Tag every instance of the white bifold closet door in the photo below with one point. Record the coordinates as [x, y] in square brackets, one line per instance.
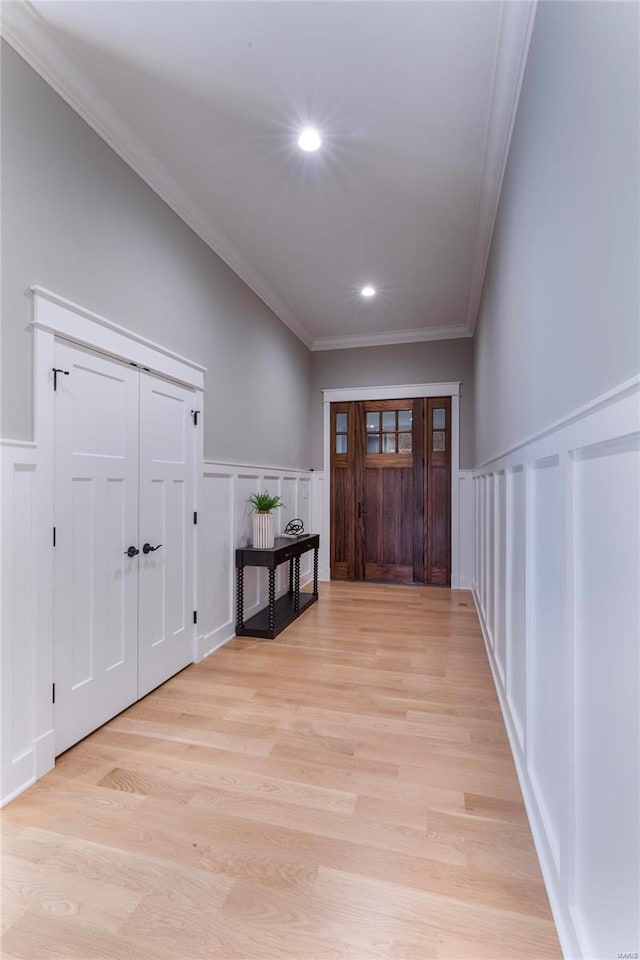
[123, 479]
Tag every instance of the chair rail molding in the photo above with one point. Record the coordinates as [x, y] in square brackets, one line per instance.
[403, 391]
[556, 573]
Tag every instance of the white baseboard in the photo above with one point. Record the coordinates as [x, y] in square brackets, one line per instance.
[45, 753]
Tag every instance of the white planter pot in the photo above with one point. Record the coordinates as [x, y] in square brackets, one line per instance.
[263, 531]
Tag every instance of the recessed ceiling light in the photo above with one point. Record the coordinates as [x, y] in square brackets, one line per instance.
[309, 140]
[368, 291]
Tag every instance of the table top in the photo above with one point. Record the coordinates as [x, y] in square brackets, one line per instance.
[284, 548]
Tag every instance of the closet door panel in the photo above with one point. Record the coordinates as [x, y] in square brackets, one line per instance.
[96, 520]
[166, 523]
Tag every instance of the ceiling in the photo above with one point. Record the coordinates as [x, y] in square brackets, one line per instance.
[415, 104]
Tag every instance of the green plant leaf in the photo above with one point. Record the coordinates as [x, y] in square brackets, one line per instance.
[264, 502]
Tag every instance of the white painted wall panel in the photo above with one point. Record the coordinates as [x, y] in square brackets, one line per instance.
[466, 493]
[607, 866]
[289, 487]
[216, 566]
[547, 647]
[304, 514]
[499, 631]
[18, 606]
[482, 547]
[245, 485]
[22, 561]
[516, 636]
[489, 559]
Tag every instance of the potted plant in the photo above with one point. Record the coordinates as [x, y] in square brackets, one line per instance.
[263, 504]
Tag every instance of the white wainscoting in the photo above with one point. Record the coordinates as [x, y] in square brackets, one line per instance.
[25, 622]
[556, 584]
[224, 523]
[464, 580]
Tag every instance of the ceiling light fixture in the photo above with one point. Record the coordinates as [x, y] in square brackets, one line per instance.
[309, 140]
[368, 291]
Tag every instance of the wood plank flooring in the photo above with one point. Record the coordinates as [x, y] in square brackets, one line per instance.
[343, 792]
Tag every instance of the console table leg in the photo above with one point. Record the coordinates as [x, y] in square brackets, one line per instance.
[240, 598]
[290, 577]
[315, 572]
[272, 600]
[296, 588]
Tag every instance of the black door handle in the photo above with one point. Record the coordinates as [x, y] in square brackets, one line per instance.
[149, 549]
[131, 552]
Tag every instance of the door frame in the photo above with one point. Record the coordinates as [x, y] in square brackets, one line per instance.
[56, 317]
[406, 391]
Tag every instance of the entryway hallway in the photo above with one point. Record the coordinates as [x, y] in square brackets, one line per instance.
[344, 791]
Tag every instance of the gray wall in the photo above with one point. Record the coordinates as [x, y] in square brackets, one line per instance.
[559, 318]
[77, 220]
[431, 362]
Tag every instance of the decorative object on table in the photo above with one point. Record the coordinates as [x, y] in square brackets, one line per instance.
[263, 504]
[295, 528]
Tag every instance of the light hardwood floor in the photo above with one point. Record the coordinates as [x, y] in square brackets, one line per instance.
[344, 791]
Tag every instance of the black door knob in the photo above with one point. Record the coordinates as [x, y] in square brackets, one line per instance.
[149, 549]
[131, 552]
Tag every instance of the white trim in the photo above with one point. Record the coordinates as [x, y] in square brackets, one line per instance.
[402, 391]
[604, 400]
[29, 34]
[407, 391]
[512, 50]
[390, 336]
[62, 317]
[263, 468]
[18, 790]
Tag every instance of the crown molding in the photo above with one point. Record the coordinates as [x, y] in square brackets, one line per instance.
[390, 337]
[26, 31]
[29, 35]
[512, 49]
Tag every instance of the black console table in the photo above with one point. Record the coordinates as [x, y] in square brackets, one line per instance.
[278, 613]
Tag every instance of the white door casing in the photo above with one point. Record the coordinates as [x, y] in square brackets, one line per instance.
[166, 522]
[96, 519]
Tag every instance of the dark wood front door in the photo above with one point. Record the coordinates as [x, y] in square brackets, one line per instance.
[390, 491]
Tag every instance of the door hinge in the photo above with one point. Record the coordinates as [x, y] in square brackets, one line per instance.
[195, 516]
[56, 371]
[195, 616]
[54, 536]
[194, 414]
[53, 693]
